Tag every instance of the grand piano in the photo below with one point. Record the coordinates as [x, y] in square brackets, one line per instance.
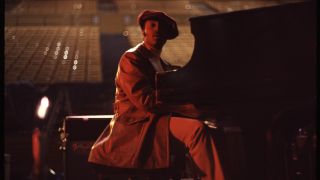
[253, 67]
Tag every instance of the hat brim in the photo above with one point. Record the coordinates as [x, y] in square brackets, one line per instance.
[171, 30]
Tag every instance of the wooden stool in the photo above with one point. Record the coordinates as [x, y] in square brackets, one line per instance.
[176, 172]
[181, 166]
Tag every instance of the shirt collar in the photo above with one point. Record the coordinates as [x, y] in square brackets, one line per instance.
[152, 53]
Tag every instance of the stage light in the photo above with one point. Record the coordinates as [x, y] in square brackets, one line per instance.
[52, 171]
[43, 107]
[211, 124]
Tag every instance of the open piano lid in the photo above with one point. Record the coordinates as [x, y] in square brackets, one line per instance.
[260, 53]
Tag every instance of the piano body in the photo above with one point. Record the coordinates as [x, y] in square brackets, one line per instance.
[248, 67]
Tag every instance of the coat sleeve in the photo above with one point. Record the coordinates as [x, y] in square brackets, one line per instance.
[134, 81]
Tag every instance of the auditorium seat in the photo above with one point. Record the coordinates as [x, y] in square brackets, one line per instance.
[53, 54]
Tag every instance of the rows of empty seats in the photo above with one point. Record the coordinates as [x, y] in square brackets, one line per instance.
[177, 51]
[236, 5]
[45, 54]
[69, 12]
[177, 7]
[36, 53]
[56, 7]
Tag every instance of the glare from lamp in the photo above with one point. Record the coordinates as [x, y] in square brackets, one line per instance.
[43, 107]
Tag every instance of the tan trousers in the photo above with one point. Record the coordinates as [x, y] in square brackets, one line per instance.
[193, 134]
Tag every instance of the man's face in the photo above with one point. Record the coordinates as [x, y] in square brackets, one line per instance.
[154, 34]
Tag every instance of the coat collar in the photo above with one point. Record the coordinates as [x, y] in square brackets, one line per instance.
[145, 53]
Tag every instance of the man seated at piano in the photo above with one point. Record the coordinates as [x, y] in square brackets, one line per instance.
[144, 131]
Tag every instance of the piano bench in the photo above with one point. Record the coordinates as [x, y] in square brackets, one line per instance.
[114, 173]
[181, 166]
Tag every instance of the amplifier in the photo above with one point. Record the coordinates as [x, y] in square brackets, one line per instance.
[78, 135]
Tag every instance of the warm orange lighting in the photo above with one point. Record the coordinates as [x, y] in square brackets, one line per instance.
[91, 116]
[125, 33]
[36, 151]
[74, 67]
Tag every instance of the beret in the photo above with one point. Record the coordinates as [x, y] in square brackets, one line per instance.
[171, 25]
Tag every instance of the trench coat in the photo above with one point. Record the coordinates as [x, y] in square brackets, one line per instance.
[138, 135]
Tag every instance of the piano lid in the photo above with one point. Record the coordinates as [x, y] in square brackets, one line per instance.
[268, 51]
